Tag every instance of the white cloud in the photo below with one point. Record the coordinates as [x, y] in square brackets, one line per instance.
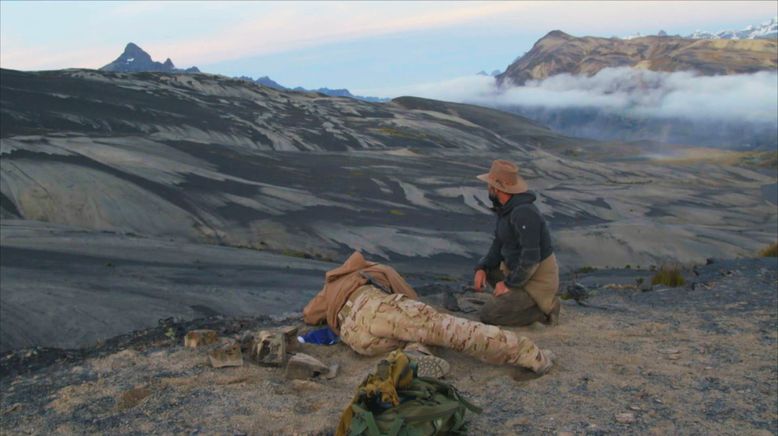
[743, 97]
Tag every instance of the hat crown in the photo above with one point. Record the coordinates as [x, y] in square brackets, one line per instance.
[504, 174]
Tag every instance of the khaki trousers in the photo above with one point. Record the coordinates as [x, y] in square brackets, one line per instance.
[375, 323]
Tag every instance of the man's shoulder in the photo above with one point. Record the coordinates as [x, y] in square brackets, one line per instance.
[527, 210]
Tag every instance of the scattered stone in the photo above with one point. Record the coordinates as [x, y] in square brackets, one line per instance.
[227, 353]
[537, 326]
[626, 418]
[270, 348]
[306, 385]
[635, 408]
[200, 338]
[304, 366]
[132, 397]
[669, 351]
[246, 341]
[14, 408]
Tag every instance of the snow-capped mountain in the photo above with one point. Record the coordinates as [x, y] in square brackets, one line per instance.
[766, 30]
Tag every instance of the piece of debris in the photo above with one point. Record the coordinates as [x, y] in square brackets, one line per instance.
[306, 385]
[304, 366]
[269, 348]
[626, 418]
[227, 353]
[199, 338]
[13, 408]
[132, 397]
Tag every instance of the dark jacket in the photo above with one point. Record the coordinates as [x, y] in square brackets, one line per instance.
[521, 240]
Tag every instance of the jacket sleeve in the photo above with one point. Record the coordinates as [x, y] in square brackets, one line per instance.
[493, 257]
[528, 227]
[316, 310]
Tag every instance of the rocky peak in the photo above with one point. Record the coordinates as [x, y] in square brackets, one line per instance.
[134, 59]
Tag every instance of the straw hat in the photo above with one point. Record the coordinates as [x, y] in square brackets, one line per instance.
[505, 176]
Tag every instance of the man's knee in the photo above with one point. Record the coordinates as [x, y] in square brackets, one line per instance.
[505, 312]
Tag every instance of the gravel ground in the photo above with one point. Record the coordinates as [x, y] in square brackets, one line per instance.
[695, 360]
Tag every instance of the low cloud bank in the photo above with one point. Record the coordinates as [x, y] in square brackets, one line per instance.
[639, 93]
[625, 103]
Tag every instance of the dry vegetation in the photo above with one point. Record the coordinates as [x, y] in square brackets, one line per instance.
[668, 275]
[770, 251]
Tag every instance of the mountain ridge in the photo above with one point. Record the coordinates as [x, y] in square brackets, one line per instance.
[558, 52]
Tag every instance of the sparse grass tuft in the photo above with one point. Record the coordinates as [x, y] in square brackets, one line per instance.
[770, 251]
[396, 212]
[586, 269]
[669, 275]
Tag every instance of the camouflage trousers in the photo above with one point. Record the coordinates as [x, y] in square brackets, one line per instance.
[375, 322]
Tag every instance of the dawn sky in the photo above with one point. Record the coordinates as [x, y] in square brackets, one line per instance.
[369, 47]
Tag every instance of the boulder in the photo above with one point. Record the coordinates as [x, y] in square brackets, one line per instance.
[303, 366]
[269, 348]
[200, 338]
[226, 353]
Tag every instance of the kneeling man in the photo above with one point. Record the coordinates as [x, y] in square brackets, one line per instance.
[520, 265]
[375, 311]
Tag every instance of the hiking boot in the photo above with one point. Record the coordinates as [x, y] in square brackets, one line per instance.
[553, 316]
[549, 355]
[427, 365]
[524, 374]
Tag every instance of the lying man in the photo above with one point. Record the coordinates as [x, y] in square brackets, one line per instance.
[520, 265]
[375, 311]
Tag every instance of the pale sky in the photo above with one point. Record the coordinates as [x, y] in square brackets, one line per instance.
[364, 46]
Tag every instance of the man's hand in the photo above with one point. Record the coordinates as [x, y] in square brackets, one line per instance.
[479, 281]
[500, 289]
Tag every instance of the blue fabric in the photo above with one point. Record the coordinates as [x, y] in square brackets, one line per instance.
[322, 336]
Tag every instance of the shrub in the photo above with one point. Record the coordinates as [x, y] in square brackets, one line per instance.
[770, 251]
[586, 269]
[668, 275]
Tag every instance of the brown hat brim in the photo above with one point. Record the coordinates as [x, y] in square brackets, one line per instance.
[521, 185]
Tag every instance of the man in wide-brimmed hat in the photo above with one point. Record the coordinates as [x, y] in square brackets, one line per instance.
[520, 264]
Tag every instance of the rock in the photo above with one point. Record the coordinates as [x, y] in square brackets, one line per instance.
[14, 408]
[306, 385]
[290, 337]
[626, 418]
[304, 366]
[200, 338]
[227, 353]
[269, 348]
[246, 341]
[132, 397]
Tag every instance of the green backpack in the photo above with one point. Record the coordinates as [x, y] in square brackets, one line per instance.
[427, 406]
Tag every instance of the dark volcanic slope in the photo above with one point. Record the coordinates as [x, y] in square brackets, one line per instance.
[558, 53]
[210, 109]
[203, 158]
